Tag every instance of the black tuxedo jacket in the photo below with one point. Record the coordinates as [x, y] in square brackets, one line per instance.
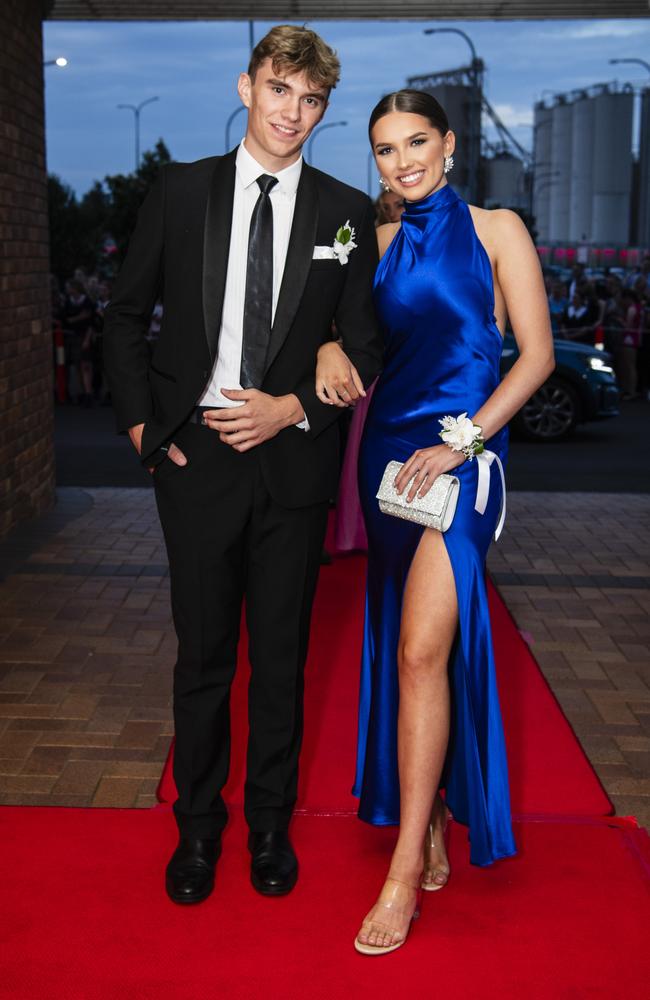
[179, 252]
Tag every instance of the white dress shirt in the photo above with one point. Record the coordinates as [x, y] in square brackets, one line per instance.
[227, 367]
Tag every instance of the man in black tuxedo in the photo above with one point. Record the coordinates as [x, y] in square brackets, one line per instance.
[254, 254]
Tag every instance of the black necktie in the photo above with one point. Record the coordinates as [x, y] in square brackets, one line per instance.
[258, 300]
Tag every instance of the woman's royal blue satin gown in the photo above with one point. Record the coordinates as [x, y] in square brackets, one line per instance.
[434, 296]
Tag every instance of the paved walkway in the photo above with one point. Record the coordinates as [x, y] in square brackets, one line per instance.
[87, 646]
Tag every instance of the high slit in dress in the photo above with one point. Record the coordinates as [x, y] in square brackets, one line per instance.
[434, 296]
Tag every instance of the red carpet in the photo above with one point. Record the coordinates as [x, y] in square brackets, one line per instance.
[549, 772]
[86, 917]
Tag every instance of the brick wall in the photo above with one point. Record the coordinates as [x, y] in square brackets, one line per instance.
[26, 410]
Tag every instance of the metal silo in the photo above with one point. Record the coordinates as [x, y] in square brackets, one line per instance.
[504, 182]
[582, 172]
[560, 181]
[612, 170]
[542, 169]
[643, 225]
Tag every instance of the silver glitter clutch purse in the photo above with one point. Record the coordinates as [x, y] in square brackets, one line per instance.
[435, 510]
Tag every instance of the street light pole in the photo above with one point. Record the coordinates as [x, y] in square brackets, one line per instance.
[237, 111]
[639, 62]
[136, 109]
[370, 165]
[646, 66]
[546, 184]
[474, 151]
[231, 119]
[454, 31]
[539, 182]
[59, 61]
[310, 141]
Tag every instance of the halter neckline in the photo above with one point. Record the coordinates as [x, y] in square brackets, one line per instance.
[437, 200]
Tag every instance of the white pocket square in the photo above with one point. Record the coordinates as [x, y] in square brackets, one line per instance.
[323, 253]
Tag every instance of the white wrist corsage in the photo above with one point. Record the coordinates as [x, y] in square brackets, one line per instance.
[460, 434]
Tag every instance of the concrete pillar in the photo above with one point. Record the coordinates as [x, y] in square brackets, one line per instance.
[26, 408]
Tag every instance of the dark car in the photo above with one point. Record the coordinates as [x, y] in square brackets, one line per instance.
[582, 387]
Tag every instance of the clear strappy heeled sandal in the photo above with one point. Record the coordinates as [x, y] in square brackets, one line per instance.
[435, 876]
[391, 905]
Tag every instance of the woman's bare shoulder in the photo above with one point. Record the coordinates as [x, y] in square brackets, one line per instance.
[497, 227]
[497, 221]
[385, 235]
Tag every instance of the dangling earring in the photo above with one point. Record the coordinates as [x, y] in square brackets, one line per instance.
[449, 163]
[383, 183]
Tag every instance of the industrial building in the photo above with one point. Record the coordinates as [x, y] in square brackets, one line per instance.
[583, 167]
[641, 231]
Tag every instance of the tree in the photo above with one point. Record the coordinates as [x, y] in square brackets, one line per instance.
[94, 211]
[127, 191]
[80, 230]
[66, 237]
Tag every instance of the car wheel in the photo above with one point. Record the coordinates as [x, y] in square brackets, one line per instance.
[551, 413]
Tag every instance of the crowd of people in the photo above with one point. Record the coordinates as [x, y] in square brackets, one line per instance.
[78, 307]
[610, 308]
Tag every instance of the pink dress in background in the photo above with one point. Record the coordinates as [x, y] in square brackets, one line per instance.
[350, 532]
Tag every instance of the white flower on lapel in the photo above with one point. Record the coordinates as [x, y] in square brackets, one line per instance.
[344, 242]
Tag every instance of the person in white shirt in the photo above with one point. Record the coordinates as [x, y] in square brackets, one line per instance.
[255, 255]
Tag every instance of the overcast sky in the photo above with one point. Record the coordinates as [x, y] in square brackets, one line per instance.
[193, 67]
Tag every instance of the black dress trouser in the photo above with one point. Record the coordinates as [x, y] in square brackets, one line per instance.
[228, 539]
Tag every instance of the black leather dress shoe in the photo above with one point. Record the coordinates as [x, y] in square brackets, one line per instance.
[190, 872]
[274, 866]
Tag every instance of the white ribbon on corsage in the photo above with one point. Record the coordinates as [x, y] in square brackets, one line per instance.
[484, 461]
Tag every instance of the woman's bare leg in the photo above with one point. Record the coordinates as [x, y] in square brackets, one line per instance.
[428, 627]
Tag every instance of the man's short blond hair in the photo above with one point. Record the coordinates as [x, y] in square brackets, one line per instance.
[294, 49]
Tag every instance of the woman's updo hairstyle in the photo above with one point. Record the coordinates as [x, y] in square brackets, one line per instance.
[412, 102]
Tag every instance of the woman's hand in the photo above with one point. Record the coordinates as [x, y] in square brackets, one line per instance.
[426, 464]
[337, 380]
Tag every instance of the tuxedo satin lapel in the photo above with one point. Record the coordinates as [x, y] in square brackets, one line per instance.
[216, 244]
[298, 262]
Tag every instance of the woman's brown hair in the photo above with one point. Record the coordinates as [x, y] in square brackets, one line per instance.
[414, 102]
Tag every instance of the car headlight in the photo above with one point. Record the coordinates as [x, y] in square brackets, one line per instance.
[599, 364]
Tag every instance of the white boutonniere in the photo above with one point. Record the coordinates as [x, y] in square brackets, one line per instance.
[344, 242]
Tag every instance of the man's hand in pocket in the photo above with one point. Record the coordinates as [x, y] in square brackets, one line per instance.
[174, 453]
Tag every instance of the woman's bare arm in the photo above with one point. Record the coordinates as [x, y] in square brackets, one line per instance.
[519, 287]
[520, 281]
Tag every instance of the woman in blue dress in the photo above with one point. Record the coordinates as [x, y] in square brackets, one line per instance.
[429, 715]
